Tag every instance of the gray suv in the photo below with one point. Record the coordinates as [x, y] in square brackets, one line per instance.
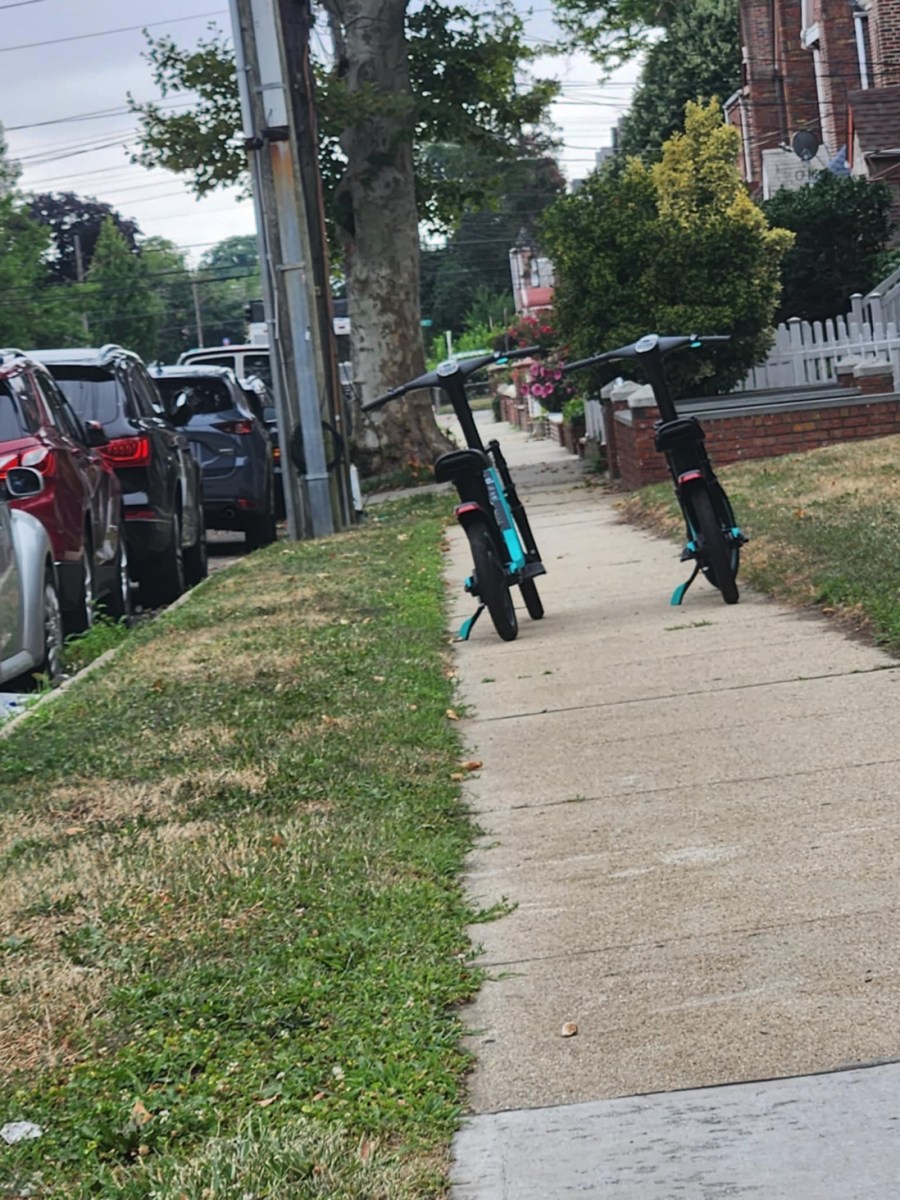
[223, 423]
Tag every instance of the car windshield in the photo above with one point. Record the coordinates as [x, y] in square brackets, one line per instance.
[18, 415]
[93, 393]
[204, 396]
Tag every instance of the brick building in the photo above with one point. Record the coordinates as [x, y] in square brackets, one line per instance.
[828, 71]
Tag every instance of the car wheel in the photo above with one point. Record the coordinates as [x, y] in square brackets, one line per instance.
[51, 664]
[118, 601]
[81, 618]
[196, 557]
[165, 581]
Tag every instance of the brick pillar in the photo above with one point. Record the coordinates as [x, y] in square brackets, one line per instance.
[884, 42]
[874, 377]
[844, 369]
[840, 69]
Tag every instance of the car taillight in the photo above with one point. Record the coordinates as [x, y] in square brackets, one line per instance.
[127, 451]
[41, 458]
[276, 453]
[242, 427]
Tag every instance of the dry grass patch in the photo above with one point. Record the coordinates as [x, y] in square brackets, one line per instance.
[51, 999]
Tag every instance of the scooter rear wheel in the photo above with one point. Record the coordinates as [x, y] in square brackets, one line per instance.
[719, 561]
[491, 583]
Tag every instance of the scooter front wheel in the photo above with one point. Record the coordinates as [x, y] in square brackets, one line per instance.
[491, 582]
[533, 602]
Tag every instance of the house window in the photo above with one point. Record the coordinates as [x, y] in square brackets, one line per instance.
[809, 23]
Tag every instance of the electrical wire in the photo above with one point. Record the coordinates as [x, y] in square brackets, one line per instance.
[81, 37]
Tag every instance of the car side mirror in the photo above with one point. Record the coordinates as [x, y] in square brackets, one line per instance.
[23, 481]
[95, 434]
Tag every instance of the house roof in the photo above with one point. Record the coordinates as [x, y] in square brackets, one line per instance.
[876, 120]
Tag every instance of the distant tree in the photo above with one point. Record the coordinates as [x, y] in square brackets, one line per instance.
[841, 226]
[33, 313]
[402, 77]
[698, 57]
[474, 259]
[168, 276]
[123, 306]
[227, 278]
[615, 31]
[674, 248]
[75, 223]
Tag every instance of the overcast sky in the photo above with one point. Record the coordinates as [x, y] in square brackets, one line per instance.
[63, 104]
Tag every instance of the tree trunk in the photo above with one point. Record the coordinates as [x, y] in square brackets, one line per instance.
[379, 232]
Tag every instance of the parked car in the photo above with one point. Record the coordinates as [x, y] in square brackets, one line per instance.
[161, 483]
[223, 423]
[263, 404]
[245, 360]
[31, 632]
[80, 504]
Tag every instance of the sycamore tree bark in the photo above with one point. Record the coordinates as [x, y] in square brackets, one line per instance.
[378, 228]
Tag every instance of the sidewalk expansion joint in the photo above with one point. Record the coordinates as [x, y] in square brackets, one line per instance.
[490, 966]
[724, 691]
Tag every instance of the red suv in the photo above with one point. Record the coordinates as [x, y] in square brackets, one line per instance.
[80, 505]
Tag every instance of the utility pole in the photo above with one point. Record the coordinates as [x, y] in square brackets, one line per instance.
[198, 320]
[79, 275]
[295, 22]
[286, 276]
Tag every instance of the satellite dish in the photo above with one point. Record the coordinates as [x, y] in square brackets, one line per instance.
[805, 145]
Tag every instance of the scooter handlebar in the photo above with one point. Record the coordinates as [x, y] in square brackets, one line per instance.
[447, 369]
[646, 345]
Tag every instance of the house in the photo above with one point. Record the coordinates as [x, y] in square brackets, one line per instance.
[532, 280]
[820, 87]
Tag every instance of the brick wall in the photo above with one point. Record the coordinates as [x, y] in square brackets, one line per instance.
[789, 427]
[779, 82]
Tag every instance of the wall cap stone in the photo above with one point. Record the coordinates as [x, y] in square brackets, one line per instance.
[873, 366]
[642, 397]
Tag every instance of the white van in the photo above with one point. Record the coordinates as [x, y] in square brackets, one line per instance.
[245, 360]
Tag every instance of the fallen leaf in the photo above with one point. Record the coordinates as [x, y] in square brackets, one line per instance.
[365, 1151]
[452, 714]
[569, 1029]
[319, 1096]
[472, 764]
[139, 1114]
[266, 1102]
[457, 776]
[278, 840]
[74, 830]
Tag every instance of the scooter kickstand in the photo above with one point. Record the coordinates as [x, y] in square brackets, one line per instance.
[680, 592]
[467, 625]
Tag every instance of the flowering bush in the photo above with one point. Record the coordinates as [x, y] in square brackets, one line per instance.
[544, 380]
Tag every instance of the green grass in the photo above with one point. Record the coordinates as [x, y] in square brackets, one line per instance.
[233, 937]
[81, 649]
[824, 529]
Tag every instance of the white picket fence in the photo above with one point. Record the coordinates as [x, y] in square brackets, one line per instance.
[807, 352]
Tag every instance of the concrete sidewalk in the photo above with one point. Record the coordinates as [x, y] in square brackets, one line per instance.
[692, 816]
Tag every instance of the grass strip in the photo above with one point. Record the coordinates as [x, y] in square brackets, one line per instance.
[824, 529]
[232, 930]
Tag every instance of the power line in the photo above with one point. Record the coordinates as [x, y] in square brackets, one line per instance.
[102, 114]
[80, 37]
